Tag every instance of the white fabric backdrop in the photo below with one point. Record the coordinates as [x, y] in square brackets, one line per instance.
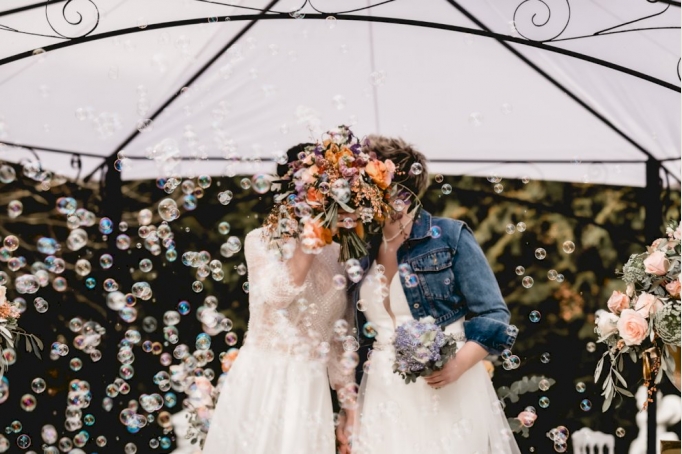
[454, 95]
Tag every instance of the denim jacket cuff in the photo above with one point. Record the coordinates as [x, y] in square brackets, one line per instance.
[493, 335]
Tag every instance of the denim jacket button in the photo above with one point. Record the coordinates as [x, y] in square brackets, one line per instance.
[416, 305]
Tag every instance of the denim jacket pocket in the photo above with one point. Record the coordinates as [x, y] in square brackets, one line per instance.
[435, 274]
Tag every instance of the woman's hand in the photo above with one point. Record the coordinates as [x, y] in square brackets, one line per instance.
[465, 358]
[345, 221]
[448, 374]
[344, 431]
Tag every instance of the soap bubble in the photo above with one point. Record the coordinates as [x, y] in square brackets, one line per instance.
[569, 247]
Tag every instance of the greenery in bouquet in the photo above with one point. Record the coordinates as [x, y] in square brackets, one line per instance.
[421, 348]
[330, 180]
[644, 319]
[10, 332]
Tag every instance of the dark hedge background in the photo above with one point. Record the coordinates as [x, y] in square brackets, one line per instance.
[604, 222]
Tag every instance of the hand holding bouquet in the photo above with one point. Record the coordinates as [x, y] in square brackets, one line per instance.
[645, 318]
[421, 348]
[334, 182]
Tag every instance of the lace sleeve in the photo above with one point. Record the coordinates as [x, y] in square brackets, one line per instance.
[269, 277]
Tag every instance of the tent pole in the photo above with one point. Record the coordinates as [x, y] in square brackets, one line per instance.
[112, 194]
[653, 209]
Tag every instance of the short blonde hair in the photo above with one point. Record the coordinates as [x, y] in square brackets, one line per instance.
[404, 156]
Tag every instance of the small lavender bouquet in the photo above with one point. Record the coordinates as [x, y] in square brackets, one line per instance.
[421, 348]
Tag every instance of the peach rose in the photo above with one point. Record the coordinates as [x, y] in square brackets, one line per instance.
[606, 324]
[379, 173]
[632, 327]
[618, 302]
[657, 263]
[645, 303]
[673, 288]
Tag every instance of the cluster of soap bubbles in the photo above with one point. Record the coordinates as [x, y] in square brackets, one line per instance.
[495, 180]
[509, 360]
[204, 266]
[559, 435]
[88, 337]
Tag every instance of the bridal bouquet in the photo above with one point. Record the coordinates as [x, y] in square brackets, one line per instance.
[10, 331]
[643, 322]
[200, 403]
[330, 179]
[421, 348]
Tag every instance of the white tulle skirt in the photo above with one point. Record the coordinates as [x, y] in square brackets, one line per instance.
[272, 403]
[464, 417]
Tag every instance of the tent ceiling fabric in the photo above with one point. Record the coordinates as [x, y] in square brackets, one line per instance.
[457, 96]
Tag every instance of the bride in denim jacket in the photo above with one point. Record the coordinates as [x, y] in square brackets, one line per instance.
[423, 266]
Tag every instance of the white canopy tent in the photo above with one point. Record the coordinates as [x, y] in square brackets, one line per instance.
[555, 90]
[565, 90]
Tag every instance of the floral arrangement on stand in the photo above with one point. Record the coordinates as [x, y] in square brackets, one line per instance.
[644, 322]
[330, 179]
[10, 332]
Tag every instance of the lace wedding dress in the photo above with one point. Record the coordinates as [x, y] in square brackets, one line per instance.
[276, 397]
[464, 417]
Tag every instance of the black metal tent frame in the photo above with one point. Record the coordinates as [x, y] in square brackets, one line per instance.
[112, 179]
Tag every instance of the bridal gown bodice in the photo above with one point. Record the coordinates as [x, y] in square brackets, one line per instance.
[385, 314]
[290, 319]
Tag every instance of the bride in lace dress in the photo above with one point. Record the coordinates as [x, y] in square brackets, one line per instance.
[276, 397]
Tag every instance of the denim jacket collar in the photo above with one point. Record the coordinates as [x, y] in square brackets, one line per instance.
[422, 225]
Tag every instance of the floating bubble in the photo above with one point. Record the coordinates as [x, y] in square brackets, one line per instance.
[146, 265]
[28, 402]
[41, 305]
[540, 253]
[144, 217]
[534, 316]
[544, 358]
[543, 384]
[569, 247]
[106, 261]
[435, 232]
[620, 432]
[203, 341]
[591, 347]
[560, 278]
[585, 405]
[552, 275]
[521, 226]
[510, 228]
[543, 402]
[224, 228]
[168, 210]
[106, 226]
[498, 188]
[11, 242]
[446, 189]
[66, 205]
[23, 441]
[416, 168]
[527, 282]
[231, 339]
[38, 385]
[7, 174]
[14, 209]
[520, 270]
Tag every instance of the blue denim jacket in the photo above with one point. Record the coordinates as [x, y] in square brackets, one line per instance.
[445, 275]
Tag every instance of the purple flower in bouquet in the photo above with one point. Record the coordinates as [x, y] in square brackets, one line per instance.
[421, 348]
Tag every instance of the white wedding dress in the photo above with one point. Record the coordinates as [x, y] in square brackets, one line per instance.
[464, 417]
[276, 397]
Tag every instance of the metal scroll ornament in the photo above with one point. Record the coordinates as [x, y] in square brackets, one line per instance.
[73, 18]
[542, 20]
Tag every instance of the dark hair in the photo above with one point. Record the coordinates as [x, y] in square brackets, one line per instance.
[292, 155]
[404, 156]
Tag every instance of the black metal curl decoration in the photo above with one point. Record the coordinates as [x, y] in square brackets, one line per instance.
[533, 14]
[66, 10]
[679, 62]
[299, 9]
[77, 163]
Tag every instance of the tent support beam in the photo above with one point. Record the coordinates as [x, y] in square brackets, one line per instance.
[354, 18]
[191, 80]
